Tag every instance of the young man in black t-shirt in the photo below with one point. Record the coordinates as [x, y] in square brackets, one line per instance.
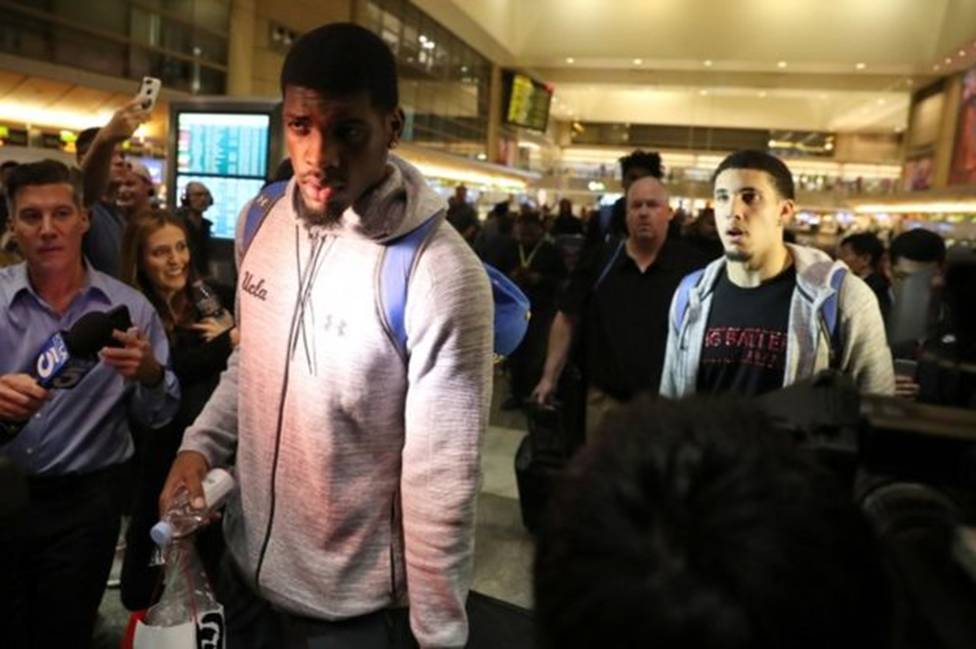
[760, 318]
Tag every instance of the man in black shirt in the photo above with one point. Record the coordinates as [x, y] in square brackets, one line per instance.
[862, 252]
[195, 201]
[769, 313]
[565, 222]
[619, 296]
[462, 215]
[539, 273]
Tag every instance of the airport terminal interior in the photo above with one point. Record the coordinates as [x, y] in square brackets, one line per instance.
[526, 110]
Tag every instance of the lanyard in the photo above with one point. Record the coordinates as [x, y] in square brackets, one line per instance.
[527, 261]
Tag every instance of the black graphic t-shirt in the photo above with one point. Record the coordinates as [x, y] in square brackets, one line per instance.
[744, 350]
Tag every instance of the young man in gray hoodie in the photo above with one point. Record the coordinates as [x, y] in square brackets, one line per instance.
[757, 319]
[357, 460]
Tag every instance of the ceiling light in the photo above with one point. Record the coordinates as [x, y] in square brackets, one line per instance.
[781, 64]
[948, 60]
[638, 61]
[933, 207]
[935, 67]
[570, 60]
[703, 93]
[962, 52]
[762, 93]
[708, 63]
[823, 95]
[861, 66]
[882, 102]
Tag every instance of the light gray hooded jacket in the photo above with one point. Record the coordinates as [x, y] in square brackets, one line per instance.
[864, 352]
[358, 468]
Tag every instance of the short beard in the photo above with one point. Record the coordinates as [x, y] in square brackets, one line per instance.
[738, 256]
[329, 217]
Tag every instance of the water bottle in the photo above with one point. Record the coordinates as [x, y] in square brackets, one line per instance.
[181, 519]
[206, 300]
[187, 596]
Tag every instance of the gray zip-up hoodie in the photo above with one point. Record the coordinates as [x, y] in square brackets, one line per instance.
[864, 353]
[358, 469]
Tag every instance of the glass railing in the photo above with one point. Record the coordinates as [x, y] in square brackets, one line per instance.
[186, 58]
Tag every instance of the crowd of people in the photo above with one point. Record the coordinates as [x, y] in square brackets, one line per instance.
[357, 458]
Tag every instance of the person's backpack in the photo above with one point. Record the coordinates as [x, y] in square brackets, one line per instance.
[511, 305]
[828, 310]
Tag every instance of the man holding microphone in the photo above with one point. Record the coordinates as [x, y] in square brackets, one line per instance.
[72, 444]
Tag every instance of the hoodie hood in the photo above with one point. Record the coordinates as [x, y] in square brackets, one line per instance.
[398, 205]
[814, 269]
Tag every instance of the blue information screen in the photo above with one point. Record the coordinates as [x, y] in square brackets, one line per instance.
[227, 152]
[224, 144]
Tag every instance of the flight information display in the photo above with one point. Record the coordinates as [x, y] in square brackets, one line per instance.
[229, 194]
[528, 103]
[224, 144]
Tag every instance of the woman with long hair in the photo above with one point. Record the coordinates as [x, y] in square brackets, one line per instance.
[156, 261]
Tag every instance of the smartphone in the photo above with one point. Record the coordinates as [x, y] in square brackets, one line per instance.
[149, 92]
[121, 320]
[906, 367]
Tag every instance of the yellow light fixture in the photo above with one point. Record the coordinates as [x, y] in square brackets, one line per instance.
[469, 176]
[34, 115]
[928, 207]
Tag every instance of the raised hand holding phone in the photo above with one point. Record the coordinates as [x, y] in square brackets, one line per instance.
[149, 92]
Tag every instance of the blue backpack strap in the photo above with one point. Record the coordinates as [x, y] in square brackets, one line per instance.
[828, 311]
[398, 261]
[610, 262]
[511, 304]
[511, 312]
[681, 295]
[259, 209]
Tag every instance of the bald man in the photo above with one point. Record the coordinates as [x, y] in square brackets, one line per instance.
[195, 201]
[618, 297]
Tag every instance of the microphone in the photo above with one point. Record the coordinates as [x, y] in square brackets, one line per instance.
[68, 356]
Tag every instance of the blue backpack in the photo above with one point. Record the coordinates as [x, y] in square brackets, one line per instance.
[511, 305]
[828, 310]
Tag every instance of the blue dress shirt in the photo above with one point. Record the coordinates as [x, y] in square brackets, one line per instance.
[85, 428]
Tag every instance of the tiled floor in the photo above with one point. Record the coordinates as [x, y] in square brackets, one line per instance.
[503, 549]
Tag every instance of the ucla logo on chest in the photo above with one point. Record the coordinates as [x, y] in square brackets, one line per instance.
[255, 288]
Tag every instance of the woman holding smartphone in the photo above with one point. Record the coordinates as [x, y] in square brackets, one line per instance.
[156, 260]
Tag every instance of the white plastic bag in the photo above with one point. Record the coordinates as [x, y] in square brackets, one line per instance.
[187, 615]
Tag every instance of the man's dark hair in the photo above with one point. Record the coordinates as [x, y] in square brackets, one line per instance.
[84, 141]
[918, 245]
[761, 161]
[7, 164]
[45, 172]
[693, 524]
[649, 160]
[865, 243]
[343, 59]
